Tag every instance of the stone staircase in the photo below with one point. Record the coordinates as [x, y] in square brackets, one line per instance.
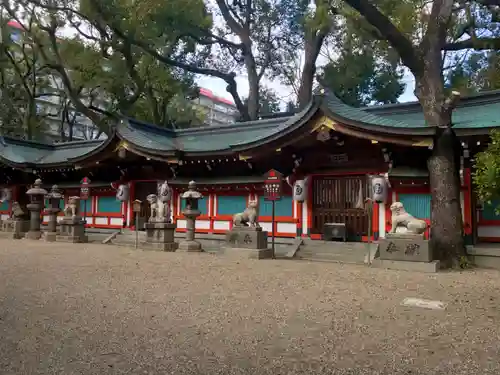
[337, 252]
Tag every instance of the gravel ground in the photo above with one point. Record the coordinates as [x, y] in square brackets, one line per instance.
[96, 309]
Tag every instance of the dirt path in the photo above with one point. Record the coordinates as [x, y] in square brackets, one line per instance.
[94, 309]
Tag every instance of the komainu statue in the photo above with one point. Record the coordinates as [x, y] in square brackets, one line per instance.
[405, 221]
[164, 192]
[247, 217]
[17, 211]
[160, 211]
[71, 208]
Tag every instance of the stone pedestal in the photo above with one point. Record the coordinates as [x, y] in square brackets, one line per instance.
[72, 230]
[405, 247]
[51, 233]
[247, 242]
[189, 243]
[15, 229]
[160, 236]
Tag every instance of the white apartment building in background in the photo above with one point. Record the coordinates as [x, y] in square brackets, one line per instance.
[219, 111]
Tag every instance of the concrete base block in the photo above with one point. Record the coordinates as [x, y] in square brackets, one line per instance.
[243, 253]
[33, 235]
[72, 239]
[406, 248]
[50, 236]
[428, 267]
[246, 237]
[172, 246]
[190, 246]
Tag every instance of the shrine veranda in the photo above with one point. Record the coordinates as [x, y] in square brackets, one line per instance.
[333, 146]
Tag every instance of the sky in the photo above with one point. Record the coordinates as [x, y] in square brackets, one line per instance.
[218, 87]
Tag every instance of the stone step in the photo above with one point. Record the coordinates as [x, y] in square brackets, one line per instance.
[334, 258]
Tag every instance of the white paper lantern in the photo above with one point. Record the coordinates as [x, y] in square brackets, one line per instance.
[379, 189]
[122, 193]
[299, 190]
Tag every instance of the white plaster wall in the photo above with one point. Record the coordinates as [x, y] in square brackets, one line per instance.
[4, 216]
[267, 226]
[202, 224]
[221, 225]
[381, 220]
[116, 221]
[305, 218]
[181, 223]
[488, 231]
[99, 220]
[287, 228]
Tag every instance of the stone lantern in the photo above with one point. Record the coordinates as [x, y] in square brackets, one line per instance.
[191, 212]
[54, 197]
[37, 196]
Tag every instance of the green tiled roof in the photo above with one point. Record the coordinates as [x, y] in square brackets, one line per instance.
[473, 112]
[26, 152]
[479, 112]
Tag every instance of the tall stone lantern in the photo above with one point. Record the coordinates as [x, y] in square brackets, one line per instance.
[37, 196]
[54, 197]
[191, 212]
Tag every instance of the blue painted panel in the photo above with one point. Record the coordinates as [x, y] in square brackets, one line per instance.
[202, 205]
[4, 206]
[418, 205]
[229, 205]
[82, 205]
[284, 207]
[489, 210]
[109, 204]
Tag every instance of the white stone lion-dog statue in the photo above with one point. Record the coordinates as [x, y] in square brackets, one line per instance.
[71, 208]
[247, 217]
[404, 222]
[160, 212]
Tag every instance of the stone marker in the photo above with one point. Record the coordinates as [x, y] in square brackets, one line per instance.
[17, 225]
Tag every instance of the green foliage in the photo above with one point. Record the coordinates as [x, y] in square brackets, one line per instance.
[363, 71]
[268, 101]
[487, 170]
[474, 72]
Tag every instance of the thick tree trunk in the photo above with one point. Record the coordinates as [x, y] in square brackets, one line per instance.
[312, 48]
[447, 241]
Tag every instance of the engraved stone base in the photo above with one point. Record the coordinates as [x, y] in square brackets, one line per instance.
[409, 249]
[190, 246]
[243, 253]
[246, 238]
[431, 267]
[50, 236]
[160, 237]
[33, 235]
[72, 230]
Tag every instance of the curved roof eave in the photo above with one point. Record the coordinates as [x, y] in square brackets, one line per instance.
[421, 131]
[291, 125]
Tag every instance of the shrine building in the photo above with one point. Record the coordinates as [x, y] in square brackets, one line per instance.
[333, 146]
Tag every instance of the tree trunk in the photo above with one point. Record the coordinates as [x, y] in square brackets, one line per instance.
[253, 86]
[447, 241]
[313, 44]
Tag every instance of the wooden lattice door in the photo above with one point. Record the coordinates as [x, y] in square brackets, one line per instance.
[337, 200]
